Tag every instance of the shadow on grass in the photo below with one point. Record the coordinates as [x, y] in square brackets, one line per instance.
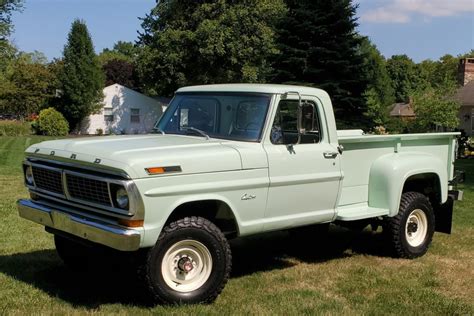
[114, 283]
[276, 250]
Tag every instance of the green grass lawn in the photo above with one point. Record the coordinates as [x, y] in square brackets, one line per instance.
[351, 274]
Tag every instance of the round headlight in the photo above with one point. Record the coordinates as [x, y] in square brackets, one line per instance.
[121, 197]
[29, 175]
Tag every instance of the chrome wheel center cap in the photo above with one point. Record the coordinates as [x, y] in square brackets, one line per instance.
[185, 264]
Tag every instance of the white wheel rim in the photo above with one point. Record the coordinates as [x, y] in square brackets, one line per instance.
[416, 228]
[186, 266]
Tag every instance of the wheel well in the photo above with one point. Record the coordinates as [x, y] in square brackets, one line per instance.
[425, 183]
[216, 211]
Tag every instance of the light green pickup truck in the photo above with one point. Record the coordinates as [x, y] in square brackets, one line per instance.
[227, 161]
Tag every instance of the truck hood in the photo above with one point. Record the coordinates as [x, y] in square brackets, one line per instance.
[133, 154]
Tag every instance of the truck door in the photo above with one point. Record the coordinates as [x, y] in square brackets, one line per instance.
[304, 169]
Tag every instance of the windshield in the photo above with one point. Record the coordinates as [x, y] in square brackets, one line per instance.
[235, 116]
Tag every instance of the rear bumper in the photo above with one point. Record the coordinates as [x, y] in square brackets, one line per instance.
[89, 229]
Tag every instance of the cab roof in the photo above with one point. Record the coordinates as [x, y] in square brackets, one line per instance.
[253, 87]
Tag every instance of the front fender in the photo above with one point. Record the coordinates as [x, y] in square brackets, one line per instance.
[155, 220]
[389, 173]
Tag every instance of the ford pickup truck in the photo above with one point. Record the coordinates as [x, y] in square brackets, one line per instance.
[227, 161]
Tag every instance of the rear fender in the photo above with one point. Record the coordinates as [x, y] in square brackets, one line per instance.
[389, 173]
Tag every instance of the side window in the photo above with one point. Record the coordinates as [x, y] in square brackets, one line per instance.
[135, 116]
[285, 126]
[108, 115]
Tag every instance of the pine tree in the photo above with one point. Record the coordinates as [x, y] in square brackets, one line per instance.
[81, 77]
[319, 47]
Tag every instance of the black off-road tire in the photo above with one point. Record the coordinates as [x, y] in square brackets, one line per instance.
[397, 226]
[197, 229]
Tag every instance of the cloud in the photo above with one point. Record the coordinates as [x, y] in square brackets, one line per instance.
[403, 11]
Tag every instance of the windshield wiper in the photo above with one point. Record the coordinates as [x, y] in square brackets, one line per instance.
[157, 129]
[194, 129]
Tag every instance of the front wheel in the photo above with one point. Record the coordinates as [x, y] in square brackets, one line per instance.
[190, 262]
[412, 229]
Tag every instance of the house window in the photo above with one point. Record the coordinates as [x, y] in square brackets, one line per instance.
[108, 115]
[135, 117]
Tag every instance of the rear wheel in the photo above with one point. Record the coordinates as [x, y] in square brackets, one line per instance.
[411, 230]
[190, 263]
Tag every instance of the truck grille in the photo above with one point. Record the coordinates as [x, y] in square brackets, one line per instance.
[91, 190]
[49, 180]
[72, 185]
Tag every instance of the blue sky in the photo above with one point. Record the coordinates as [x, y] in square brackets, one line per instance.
[421, 29]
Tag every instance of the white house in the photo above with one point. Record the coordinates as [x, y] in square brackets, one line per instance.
[125, 111]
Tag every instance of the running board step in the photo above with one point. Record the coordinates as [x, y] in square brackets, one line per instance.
[353, 213]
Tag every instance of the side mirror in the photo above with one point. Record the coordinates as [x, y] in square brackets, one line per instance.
[307, 123]
[298, 117]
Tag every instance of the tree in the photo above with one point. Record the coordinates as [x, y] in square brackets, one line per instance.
[6, 9]
[438, 73]
[81, 77]
[189, 42]
[402, 71]
[379, 95]
[108, 55]
[127, 49]
[7, 54]
[319, 47]
[119, 64]
[434, 108]
[7, 50]
[121, 72]
[28, 86]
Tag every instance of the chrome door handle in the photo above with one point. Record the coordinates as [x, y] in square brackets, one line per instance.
[330, 155]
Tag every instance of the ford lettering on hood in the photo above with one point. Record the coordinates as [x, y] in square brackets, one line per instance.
[134, 154]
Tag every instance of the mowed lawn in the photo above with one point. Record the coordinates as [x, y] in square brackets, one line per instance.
[348, 273]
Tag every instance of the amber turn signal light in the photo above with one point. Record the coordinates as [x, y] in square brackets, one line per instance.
[161, 170]
[155, 170]
[131, 223]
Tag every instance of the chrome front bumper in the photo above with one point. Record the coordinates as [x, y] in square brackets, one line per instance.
[99, 232]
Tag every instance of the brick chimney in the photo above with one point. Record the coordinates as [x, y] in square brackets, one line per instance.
[466, 71]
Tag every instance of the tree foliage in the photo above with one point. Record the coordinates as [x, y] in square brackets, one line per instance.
[121, 72]
[119, 64]
[81, 77]
[188, 42]
[7, 50]
[319, 47]
[127, 49]
[379, 95]
[403, 73]
[27, 87]
[6, 9]
[434, 108]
